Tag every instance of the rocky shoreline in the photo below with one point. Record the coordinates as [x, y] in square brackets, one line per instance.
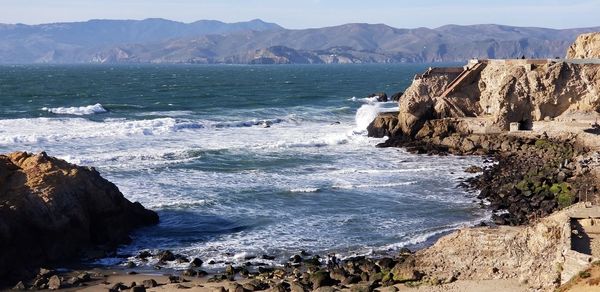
[532, 175]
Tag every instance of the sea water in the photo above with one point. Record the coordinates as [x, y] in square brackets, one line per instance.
[241, 161]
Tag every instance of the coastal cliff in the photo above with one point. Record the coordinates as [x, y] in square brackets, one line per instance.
[502, 93]
[54, 212]
[587, 46]
[537, 120]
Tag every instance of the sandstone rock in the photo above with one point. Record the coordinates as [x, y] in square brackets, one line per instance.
[54, 283]
[503, 93]
[586, 46]
[51, 210]
[533, 252]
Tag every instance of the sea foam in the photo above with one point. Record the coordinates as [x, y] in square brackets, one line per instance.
[77, 110]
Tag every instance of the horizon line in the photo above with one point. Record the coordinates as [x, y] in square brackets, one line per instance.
[269, 22]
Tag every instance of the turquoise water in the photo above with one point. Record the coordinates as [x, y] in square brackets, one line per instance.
[242, 160]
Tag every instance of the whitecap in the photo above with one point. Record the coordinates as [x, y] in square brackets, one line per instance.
[77, 110]
[305, 190]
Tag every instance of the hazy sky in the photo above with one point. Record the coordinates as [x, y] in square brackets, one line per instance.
[315, 13]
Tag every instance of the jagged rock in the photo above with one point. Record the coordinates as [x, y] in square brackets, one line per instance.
[406, 271]
[397, 96]
[381, 96]
[586, 46]
[385, 124]
[50, 210]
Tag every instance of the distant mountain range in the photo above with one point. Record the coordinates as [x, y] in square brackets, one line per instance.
[259, 42]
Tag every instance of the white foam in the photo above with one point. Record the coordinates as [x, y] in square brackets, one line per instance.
[305, 190]
[77, 110]
[367, 113]
[375, 186]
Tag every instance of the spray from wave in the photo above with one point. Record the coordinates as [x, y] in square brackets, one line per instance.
[77, 110]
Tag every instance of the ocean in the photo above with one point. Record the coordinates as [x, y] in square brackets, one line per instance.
[241, 161]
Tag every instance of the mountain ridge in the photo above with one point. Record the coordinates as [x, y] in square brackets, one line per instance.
[158, 40]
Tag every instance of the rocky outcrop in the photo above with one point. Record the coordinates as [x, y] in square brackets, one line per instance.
[533, 254]
[587, 46]
[503, 93]
[384, 125]
[52, 211]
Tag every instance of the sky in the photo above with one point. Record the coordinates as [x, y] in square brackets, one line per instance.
[296, 14]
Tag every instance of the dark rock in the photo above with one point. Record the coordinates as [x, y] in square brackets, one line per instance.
[381, 96]
[138, 289]
[385, 124]
[181, 286]
[174, 279]
[118, 287]
[296, 259]
[130, 265]
[397, 96]
[166, 256]
[144, 255]
[267, 257]
[150, 283]
[196, 262]
[386, 263]
[84, 277]
[321, 278]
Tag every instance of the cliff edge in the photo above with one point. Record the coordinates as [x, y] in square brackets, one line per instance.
[587, 46]
[52, 211]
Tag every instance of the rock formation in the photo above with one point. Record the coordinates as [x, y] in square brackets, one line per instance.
[52, 211]
[534, 254]
[502, 93]
[587, 46]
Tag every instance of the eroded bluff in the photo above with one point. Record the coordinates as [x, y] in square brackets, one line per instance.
[501, 93]
[587, 46]
[52, 212]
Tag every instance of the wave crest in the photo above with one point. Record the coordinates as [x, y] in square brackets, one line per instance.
[77, 110]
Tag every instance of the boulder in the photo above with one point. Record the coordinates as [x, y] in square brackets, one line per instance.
[51, 211]
[381, 96]
[396, 97]
[384, 125]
